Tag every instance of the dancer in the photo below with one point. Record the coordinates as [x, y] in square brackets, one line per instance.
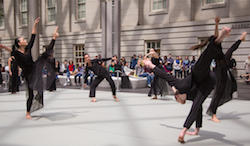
[32, 70]
[225, 82]
[157, 82]
[101, 74]
[197, 85]
[13, 71]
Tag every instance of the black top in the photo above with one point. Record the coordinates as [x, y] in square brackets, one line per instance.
[33, 70]
[96, 68]
[24, 60]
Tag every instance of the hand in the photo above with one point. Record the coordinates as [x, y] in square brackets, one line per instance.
[2, 46]
[37, 20]
[114, 58]
[55, 34]
[217, 20]
[10, 73]
[84, 85]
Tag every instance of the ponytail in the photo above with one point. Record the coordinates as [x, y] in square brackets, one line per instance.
[16, 42]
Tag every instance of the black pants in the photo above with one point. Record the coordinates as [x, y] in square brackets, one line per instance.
[203, 91]
[221, 74]
[98, 80]
[30, 99]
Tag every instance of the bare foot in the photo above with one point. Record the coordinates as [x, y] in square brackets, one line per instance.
[225, 32]
[215, 119]
[155, 97]
[93, 99]
[182, 134]
[243, 35]
[28, 116]
[116, 98]
[181, 139]
[196, 131]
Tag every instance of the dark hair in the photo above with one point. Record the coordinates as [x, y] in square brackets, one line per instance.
[16, 42]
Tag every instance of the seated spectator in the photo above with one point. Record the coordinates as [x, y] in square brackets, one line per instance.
[64, 67]
[139, 69]
[127, 70]
[150, 75]
[133, 62]
[70, 71]
[112, 68]
[80, 72]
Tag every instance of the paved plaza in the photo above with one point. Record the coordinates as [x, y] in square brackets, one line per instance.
[69, 118]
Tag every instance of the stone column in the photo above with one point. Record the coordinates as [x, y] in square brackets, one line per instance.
[32, 15]
[117, 28]
[109, 26]
[103, 24]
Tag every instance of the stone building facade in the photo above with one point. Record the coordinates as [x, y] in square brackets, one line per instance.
[170, 26]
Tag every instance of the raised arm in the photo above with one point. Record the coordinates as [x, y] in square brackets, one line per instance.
[216, 31]
[33, 34]
[52, 43]
[35, 24]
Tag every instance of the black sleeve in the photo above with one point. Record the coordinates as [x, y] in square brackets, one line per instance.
[86, 74]
[105, 59]
[51, 45]
[31, 42]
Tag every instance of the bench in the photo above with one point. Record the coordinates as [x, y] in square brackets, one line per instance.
[136, 82]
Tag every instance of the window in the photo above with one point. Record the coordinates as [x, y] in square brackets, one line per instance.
[51, 10]
[153, 44]
[81, 7]
[211, 4]
[1, 14]
[78, 53]
[213, 1]
[24, 12]
[158, 5]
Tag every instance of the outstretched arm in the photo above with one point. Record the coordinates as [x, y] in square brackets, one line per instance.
[5, 48]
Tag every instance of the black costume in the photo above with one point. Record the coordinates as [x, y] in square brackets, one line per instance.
[101, 74]
[197, 85]
[33, 72]
[13, 80]
[158, 83]
[52, 86]
[225, 82]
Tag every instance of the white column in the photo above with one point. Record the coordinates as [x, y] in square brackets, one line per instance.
[117, 28]
[32, 15]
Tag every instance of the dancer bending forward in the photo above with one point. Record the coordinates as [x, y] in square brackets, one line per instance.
[197, 85]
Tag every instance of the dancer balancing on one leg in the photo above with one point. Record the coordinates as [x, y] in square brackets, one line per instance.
[101, 73]
[32, 70]
[197, 85]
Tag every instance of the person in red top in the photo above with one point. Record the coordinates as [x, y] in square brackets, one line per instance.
[70, 70]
